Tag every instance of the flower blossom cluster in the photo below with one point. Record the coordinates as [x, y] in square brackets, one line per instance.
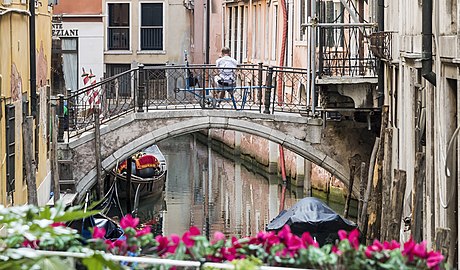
[281, 248]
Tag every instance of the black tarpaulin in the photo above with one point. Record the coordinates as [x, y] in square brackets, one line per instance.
[314, 216]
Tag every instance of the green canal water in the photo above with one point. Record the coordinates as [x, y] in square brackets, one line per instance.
[215, 191]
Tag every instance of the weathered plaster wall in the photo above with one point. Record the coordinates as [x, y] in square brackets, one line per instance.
[14, 88]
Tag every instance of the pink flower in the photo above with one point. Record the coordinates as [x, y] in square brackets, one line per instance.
[293, 244]
[434, 259]
[229, 254]
[284, 232]
[375, 247]
[162, 244]
[308, 240]
[261, 237]
[353, 237]
[342, 235]
[175, 240]
[420, 250]
[391, 245]
[119, 243]
[109, 243]
[143, 231]
[235, 242]
[129, 222]
[31, 244]
[187, 237]
[335, 250]
[98, 233]
[58, 224]
[218, 236]
[408, 249]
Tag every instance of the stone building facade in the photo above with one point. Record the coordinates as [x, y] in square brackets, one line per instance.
[422, 92]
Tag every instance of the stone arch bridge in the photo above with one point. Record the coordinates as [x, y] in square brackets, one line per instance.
[332, 146]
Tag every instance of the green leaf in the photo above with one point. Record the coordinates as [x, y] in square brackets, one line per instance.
[14, 264]
[53, 263]
[98, 262]
[69, 216]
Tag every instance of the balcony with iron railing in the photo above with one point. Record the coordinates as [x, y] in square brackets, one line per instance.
[342, 65]
[381, 45]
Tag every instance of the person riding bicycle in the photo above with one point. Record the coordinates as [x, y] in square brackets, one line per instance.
[225, 81]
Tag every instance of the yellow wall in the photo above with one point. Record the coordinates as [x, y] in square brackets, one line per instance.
[14, 67]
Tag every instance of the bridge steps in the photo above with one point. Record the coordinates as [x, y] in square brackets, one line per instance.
[66, 181]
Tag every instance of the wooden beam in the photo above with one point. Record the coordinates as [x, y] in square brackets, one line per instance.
[386, 184]
[53, 155]
[30, 166]
[350, 189]
[364, 212]
[375, 214]
[362, 188]
[397, 202]
[417, 197]
[97, 145]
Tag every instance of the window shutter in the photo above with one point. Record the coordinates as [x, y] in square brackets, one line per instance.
[10, 147]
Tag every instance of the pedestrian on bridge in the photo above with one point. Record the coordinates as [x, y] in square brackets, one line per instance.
[225, 81]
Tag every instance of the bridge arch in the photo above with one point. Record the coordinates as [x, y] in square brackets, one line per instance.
[139, 130]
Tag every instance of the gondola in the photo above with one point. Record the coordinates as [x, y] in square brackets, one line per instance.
[148, 174]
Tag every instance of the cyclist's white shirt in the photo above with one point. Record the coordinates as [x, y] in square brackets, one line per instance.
[227, 75]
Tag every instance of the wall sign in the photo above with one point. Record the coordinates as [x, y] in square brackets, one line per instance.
[58, 30]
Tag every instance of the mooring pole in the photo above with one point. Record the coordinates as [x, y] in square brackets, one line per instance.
[97, 144]
[128, 183]
[53, 154]
[29, 161]
[350, 189]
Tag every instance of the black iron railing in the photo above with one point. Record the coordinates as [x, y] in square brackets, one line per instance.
[344, 50]
[118, 38]
[381, 44]
[257, 88]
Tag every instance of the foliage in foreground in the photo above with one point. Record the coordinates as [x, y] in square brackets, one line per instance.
[30, 228]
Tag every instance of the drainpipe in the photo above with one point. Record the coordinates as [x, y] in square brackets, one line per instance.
[282, 51]
[381, 28]
[33, 65]
[208, 17]
[427, 47]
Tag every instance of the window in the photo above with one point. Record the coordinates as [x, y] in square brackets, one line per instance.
[237, 23]
[274, 32]
[334, 14]
[152, 26]
[305, 11]
[118, 29]
[122, 84]
[70, 63]
[10, 146]
[64, 61]
[255, 32]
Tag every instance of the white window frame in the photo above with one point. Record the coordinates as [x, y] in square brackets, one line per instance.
[299, 37]
[106, 28]
[254, 16]
[140, 26]
[274, 39]
[245, 33]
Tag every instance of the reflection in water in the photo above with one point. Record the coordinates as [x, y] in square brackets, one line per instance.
[206, 190]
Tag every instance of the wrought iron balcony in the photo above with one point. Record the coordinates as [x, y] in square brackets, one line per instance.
[381, 45]
[344, 50]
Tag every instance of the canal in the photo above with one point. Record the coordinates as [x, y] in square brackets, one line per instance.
[216, 191]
